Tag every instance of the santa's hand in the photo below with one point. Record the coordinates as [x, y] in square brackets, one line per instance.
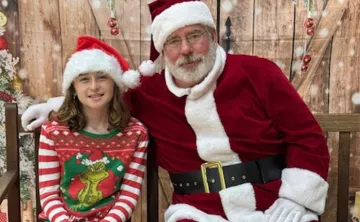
[178, 212]
[39, 113]
[284, 210]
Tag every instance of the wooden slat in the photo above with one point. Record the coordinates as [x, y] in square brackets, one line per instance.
[12, 159]
[241, 14]
[152, 184]
[339, 122]
[345, 76]
[319, 43]
[357, 205]
[7, 181]
[102, 15]
[76, 19]
[343, 180]
[273, 32]
[40, 32]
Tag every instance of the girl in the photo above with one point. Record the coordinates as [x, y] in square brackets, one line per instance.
[92, 154]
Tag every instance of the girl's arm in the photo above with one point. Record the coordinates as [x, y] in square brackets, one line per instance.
[131, 184]
[49, 180]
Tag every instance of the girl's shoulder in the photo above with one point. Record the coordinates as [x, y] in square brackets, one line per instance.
[54, 126]
[135, 126]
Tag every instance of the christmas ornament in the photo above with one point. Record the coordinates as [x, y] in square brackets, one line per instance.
[112, 23]
[3, 43]
[3, 19]
[310, 31]
[114, 31]
[16, 84]
[307, 59]
[304, 67]
[4, 96]
[309, 25]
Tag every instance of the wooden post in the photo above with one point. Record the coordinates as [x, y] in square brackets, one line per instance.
[28, 215]
[357, 205]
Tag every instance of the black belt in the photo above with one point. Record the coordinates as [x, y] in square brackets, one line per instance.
[256, 172]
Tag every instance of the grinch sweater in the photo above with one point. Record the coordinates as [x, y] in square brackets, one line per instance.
[91, 176]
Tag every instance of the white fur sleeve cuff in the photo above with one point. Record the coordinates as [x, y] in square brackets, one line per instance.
[305, 188]
[183, 211]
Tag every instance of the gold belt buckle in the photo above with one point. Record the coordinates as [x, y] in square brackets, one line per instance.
[216, 164]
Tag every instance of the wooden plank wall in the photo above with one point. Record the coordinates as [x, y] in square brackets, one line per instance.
[43, 33]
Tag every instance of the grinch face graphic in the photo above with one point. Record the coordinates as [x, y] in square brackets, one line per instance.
[92, 179]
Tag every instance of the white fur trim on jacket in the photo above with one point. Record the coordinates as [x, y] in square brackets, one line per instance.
[305, 188]
[183, 211]
[178, 16]
[239, 204]
[200, 110]
[93, 60]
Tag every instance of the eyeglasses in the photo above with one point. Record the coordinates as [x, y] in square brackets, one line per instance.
[192, 38]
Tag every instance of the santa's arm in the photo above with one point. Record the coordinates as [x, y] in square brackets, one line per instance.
[307, 156]
[131, 184]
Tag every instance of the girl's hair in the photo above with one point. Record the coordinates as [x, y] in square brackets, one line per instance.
[71, 113]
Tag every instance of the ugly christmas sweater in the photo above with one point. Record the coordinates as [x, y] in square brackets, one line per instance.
[91, 176]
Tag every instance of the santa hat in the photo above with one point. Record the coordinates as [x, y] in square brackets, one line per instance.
[94, 55]
[168, 16]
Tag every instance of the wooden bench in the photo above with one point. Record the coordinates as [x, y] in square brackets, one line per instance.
[10, 184]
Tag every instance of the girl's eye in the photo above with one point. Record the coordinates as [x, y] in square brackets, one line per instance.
[84, 79]
[103, 77]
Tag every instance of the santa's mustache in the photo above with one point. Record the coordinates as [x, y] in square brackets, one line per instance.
[184, 60]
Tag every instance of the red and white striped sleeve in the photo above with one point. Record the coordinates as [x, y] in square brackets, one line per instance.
[49, 180]
[131, 184]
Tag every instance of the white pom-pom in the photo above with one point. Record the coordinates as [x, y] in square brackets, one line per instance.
[131, 78]
[147, 68]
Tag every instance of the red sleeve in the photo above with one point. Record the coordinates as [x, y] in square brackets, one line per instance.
[132, 183]
[49, 180]
[305, 140]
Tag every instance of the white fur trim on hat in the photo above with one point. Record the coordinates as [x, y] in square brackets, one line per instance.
[92, 60]
[305, 188]
[178, 16]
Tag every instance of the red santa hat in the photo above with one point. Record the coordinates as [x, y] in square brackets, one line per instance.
[168, 16]
[94, 55]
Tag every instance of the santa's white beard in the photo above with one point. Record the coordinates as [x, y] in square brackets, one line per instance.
[196, 74]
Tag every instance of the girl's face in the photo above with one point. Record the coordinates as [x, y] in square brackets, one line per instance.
[94, 90]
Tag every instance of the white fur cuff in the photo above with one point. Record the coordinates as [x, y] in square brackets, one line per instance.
[183, 211]
[239, 202]
[305, 188]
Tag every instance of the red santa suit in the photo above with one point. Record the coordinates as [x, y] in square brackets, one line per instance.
[245, 109]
